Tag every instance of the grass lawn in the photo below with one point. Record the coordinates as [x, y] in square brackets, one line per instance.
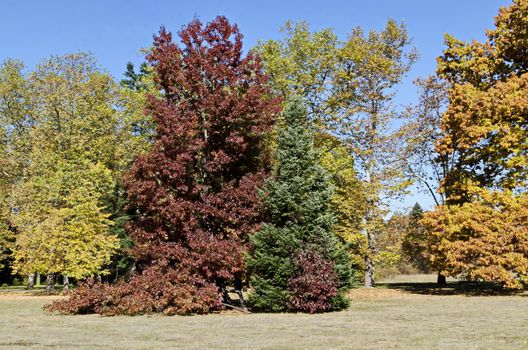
[405, 313]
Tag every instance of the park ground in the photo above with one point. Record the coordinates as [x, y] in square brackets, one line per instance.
[407, 312]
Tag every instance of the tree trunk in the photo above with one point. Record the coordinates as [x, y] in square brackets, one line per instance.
[31, 281]
[371, 241]
[38, 279]
[116, 276]
[66, 283]
[133, 270]
[50, 282]
[239, 286]
[369, 272]
[441, 280]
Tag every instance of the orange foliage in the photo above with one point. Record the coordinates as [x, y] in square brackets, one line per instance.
[484, 239]
[482, 230]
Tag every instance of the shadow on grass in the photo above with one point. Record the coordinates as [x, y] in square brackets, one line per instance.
[454, 288]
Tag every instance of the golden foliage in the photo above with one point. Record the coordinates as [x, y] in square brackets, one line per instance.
[482, 230]
[485, 239]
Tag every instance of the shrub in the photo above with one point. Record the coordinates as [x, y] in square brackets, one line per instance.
[177, 292]
[315, 284]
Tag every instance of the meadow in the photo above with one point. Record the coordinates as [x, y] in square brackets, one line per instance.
[407, 312]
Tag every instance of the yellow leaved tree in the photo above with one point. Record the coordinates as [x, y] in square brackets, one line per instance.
[480, 230]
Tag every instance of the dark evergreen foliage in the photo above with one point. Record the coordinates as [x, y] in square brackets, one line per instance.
[297, 246]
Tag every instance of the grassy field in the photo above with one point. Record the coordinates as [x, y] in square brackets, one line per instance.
[405, 313]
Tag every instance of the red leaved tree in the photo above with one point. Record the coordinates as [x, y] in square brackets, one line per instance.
[193, 197]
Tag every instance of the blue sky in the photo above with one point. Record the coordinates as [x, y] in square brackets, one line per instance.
[115, 30]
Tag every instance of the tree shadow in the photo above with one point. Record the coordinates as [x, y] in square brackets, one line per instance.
[455, 288]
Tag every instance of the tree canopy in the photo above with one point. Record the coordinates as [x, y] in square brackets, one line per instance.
[193, 196]
[480, 232]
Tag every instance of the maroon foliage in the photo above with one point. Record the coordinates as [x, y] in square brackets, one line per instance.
[315, 284]
[193, 197]
[83, 301]
[175, 293]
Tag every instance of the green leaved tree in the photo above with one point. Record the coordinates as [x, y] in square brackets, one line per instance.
[15, 122]
[297, 262]
[78, 140]
[349, 86]
[414, 241]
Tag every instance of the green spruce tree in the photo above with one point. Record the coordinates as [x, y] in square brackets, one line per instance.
[297, 262]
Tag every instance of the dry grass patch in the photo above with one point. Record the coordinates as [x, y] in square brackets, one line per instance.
[372, 294]
[380, 318]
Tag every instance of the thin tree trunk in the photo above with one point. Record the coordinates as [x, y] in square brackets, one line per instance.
[369, 270]
[371, 242]
[133, 270]
[38, 279]
[50, 282]
[31, 281]
[66, 283]
[239, 286]
[441, 280]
